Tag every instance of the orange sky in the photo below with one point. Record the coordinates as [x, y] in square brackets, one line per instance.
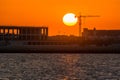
[50, 13]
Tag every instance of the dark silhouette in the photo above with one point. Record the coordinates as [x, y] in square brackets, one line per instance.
[36, 39]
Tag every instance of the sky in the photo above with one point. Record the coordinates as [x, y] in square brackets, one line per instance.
[50, 13]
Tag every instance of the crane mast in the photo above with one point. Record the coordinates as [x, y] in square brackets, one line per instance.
[80, 21]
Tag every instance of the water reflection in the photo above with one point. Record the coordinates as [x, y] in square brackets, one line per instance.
[71, 61]
[60, 66]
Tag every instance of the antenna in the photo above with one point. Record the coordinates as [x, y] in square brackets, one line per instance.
[80, 21]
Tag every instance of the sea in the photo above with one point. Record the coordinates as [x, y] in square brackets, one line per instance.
[59, 66]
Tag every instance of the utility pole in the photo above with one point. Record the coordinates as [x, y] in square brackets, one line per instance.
[80, 22]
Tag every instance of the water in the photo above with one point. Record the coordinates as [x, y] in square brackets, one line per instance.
[35, 66]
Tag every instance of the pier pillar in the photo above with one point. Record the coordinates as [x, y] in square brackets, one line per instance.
[40, 35]
[0, 33]
[13, 34]
[20, 33]
[17, 33]
[0, 30]
[3, 33]
[8, 33]
[46, 32]
[8, 30]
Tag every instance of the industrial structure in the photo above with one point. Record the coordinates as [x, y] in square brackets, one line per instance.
[101, 34]
[80, 21]
[23, 33]
[34, 39]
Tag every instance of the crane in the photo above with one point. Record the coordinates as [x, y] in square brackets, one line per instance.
[80, 21]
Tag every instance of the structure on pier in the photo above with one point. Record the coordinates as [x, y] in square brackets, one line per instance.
[101, 34]
[23, 33]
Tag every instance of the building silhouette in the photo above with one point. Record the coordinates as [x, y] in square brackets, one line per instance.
[100, 34]
[23, 33]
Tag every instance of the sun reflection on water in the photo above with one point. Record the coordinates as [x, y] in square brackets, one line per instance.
[70, 60]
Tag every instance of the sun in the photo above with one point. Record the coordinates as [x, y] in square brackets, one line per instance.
[70, 19]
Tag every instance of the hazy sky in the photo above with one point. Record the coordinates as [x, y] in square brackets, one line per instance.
[51, 12]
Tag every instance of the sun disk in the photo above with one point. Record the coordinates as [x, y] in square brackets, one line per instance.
[70, 19]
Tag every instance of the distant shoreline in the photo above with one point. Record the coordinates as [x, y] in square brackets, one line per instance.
[60, 49]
